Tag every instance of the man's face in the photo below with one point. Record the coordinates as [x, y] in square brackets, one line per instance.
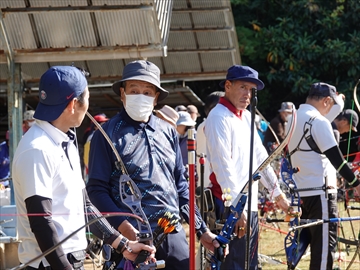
[29, 123]
[134, 87]
[181, 129]
[284, 115]
[343, 126]
[239, 93]
[194, 116]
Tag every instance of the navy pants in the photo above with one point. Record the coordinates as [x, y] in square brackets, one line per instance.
[235, 260]
[174, 250]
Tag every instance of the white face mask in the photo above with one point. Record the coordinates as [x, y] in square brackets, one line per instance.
[139, 107]
[30, 124]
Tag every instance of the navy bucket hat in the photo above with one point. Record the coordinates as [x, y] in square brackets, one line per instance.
[57, 87]
[243, 73]
[143, 71]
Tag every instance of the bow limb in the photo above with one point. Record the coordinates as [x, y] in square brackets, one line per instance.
[113, 148]
[346, 205]
[358, 108]
[269, 127]
[355, 96]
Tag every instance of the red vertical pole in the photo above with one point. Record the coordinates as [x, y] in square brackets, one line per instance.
[191, 146]
[202, 169]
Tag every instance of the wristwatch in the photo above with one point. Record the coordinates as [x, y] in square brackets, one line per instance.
[201, 231]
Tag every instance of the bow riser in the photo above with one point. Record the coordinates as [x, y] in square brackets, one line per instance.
[291, 243]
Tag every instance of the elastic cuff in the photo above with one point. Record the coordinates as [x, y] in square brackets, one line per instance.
[112, 238]
[200, 232]
[342, 165]
[354, 183]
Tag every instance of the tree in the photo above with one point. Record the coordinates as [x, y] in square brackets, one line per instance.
[296, 43]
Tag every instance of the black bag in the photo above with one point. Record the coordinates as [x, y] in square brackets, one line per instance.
[77, 258]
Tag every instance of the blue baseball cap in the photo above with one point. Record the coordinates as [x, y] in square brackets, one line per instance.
[243, 73]
[141, 70]
[58, 86]
[321, 89]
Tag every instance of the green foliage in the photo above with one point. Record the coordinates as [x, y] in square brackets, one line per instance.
[293, 43]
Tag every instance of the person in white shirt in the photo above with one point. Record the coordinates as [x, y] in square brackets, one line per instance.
[50, 193]
[314, 150]
[210, 102]
[228, 132]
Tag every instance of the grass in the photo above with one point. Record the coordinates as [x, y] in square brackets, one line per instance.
[271, 243]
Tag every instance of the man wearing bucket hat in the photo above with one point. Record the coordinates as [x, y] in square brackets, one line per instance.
[168, 114]
[278, 124]
[313, 149]
[28, 120]
[49, 190]
[228, 131]
[149, 148]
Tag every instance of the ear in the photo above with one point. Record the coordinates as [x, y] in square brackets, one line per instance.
[156, 98]
[122, 94]
[327, 101]
[227, 85]
[70, 108]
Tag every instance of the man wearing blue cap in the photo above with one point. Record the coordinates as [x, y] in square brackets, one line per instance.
[49, 190]
[149, 148]
[314, 150]
[228, 131]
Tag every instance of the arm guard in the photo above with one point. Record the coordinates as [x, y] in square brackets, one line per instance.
[337, 160]
[101, 228]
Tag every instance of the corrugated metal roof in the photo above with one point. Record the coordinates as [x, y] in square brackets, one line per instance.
[187, 39]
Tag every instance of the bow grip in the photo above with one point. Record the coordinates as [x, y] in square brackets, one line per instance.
[219, 252]
[141, 257]
[145, 238]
